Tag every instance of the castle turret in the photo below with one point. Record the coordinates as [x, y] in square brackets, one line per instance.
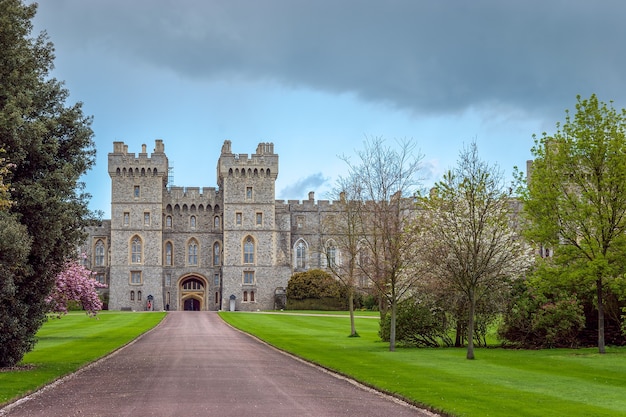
[137, 184]
[256, 253]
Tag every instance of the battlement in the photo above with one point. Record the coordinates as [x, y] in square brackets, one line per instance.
[308, 205]
[192, 192]
[263, 163]
[124, 163]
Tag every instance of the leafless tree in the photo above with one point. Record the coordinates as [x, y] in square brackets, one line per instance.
[344, 228]
[388, 179]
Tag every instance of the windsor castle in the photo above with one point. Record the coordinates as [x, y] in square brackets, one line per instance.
[233, 246]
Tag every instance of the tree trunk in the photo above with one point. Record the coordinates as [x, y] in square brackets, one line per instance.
[351, 309]
[601, 347]
[470, 327]
[458, 340]
[392, 327]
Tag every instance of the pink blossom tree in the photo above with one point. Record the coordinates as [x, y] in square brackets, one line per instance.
[75, 283]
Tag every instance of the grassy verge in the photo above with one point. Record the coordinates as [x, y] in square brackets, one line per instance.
[67, 344]
[498, 382]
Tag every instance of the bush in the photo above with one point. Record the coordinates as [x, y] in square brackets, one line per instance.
[540, 321]
[418, 323]
[318, 288]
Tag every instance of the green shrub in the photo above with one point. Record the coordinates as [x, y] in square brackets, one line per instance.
[324, 304]
[418, 323]
[313, 284]
[536, 320]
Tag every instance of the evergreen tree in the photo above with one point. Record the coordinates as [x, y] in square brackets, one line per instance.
[48, 145]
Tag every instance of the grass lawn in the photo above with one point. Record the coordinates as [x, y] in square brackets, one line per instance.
[499, 382]
[65, 345]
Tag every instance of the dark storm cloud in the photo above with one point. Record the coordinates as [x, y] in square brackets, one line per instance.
[429, 56]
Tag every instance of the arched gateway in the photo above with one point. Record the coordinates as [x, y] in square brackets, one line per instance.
[192, 290]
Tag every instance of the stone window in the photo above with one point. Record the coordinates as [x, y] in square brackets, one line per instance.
[216, 280]
[245, 296]
[146, 219]
[99, 252]
[248, 193]
[238, 218]
[168, 221]
[248, 277]
[192, 252]
[300, 255]
[300, 221]
[192, 222]
[216, 253]
[126, 218]
[168, 253]
[132, 296]
[100, 278]
[193, 284]
[168, 280]
[135, 277]
[331, 255]
[216, 222]
[138, 295]
[135, 250]
[248, 251]
[136, 191]
[259, 219]
[251, 296]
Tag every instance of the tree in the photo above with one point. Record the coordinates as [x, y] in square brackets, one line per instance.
[75, 283]
[576, 198]
[345, 229]
[389, 179]
[5, 197]
[471, 242]
[49, 146]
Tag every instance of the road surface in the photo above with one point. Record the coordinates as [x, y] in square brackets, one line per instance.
[194, 364]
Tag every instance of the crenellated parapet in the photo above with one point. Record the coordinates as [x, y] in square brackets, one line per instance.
[128, 164]
[203, 198]
[263, 163]
[310, 205]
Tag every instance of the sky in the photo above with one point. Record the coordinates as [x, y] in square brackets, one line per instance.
[317, 78]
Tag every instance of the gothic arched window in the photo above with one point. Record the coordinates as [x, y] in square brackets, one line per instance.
[248, 251]
[168, 254]
[216, 253]
[300, 255]
[192, 252]
[135, 250]
[99, 253]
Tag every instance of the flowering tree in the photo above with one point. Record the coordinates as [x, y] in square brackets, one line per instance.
[471, 240]
[75, 283]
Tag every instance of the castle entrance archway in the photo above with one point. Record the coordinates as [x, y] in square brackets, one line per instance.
[191, 304]
[192, 290]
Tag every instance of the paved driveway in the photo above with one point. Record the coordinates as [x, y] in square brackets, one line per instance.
[193, 364]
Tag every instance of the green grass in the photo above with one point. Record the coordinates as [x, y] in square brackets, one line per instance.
[67, 344]
[499, 382]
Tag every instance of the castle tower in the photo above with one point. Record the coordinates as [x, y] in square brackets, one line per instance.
[137, 185]
[256, 248]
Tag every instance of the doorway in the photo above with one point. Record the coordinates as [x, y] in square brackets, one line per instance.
[191, 304]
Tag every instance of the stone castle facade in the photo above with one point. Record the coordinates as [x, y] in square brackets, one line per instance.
[233, 246]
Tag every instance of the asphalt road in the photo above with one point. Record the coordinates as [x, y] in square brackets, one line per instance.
[194, 364]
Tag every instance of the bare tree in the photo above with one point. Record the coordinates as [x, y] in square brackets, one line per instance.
[388, 179]
[468, 221]
[344, 228]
